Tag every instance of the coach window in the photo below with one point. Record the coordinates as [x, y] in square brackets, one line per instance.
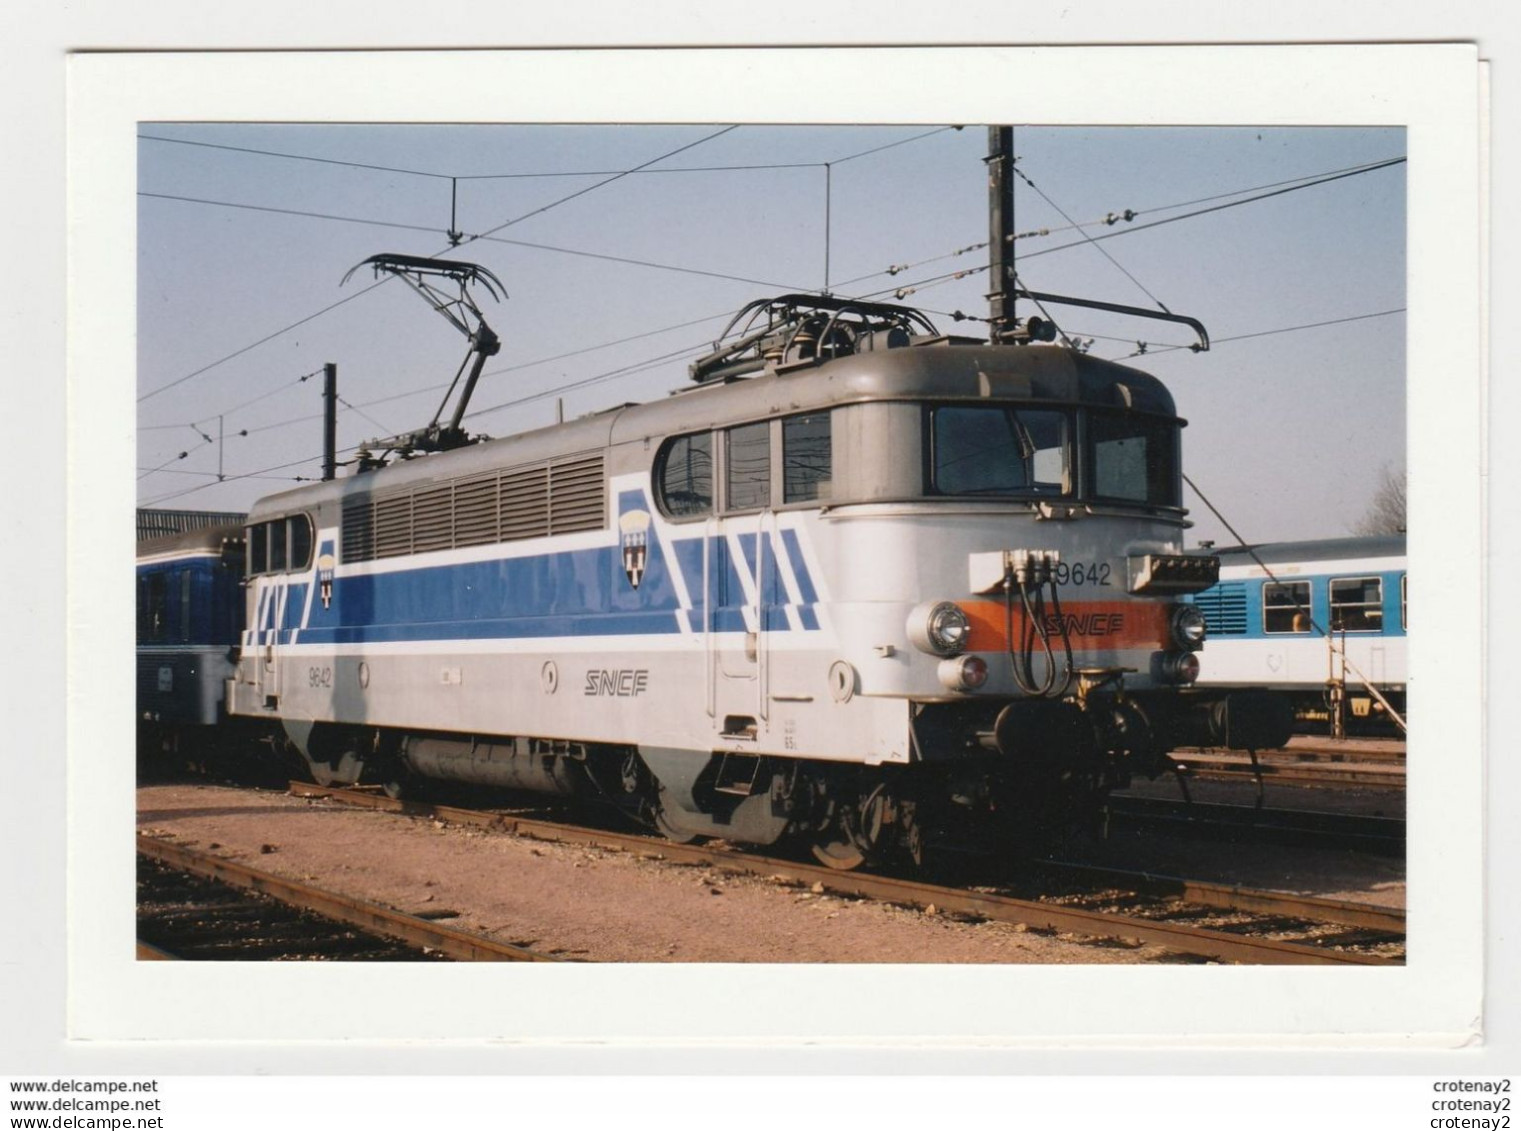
[806, 458]
[748, 482]
[684, 473]
[1286, 607]
[153, 607]
[1357, 604]
[186, 582]
[998, 451]
[1404, 608]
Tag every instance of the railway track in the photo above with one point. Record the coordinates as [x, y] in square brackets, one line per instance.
[1317, 762]
[1303, 827]
[1276, 930]
[194, 905]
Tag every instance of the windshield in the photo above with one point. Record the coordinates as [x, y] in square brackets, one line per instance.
[1134, 458]
[1025, 451]
[999, 450]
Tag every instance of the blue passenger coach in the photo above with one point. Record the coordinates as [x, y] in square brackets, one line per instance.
[189, 618]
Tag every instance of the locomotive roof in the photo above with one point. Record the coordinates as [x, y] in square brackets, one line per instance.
[934, 370]
[1321, 550]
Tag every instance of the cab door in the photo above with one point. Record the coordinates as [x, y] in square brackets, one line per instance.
[742, 576]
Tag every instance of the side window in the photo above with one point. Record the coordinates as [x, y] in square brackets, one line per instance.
[1286, 607]
[154, 610]
[749, 467]
[258, 548]
[1357, 604]
[280, 544]
[277, 558]
[685, 476]
[1404, 605]
[300, 542]
[186, 581]
[806, 456]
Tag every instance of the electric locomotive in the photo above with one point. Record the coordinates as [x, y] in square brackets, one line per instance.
[862, 585]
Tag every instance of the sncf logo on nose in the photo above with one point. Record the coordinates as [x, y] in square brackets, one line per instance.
[1086, 624]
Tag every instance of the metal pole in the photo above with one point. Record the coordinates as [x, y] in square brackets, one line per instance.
[329, 421]
[1000, 161]
[828, 191]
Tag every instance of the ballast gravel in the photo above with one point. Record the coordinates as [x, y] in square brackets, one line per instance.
[581, 903]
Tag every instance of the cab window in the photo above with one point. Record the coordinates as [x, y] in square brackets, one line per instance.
[999, 450]
[1133, 458]
[684, 475]
[748, 484]
[807, 470]
[281, 544]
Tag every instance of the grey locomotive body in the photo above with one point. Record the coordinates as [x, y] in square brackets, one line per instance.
[853, 595]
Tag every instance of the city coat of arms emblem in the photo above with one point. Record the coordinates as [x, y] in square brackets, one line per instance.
[635, 527]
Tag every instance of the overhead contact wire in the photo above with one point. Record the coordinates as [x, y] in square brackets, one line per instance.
[382, 282]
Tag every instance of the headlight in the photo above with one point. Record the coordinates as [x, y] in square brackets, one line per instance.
[941, 628]
[1180, 667]
[1188, 627]
[963, 673]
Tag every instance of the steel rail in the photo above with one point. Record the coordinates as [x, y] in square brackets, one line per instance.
[462, 946]
[1303, 749]
[1384, 836]
[1232, 897]
[1204, 943]
[1228, 767]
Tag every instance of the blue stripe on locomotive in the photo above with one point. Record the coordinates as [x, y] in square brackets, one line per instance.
[557, 594]
[1233, 609]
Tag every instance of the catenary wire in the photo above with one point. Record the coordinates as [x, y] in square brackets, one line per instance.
[382, 282]
[1151, 349]
[425, 389]
[486, 235]
[1018, 172]
[468, 238]
[1293, 186]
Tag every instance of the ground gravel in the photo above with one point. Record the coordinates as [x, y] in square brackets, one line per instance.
[582, 903]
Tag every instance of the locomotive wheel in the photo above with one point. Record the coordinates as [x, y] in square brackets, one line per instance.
[671, 832]
[399, 786]
[841, 854]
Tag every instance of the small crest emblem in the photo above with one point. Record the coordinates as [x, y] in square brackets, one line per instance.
[635, 527]
[325, 564]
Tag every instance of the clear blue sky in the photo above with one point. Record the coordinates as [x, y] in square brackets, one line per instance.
[1288, 432]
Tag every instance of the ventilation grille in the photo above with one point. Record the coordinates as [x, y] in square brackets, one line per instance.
[1224, 608]
[505, 506]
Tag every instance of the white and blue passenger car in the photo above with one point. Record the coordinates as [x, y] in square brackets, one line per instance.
[1311, 621]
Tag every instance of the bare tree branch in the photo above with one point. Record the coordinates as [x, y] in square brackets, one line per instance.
[1386, 511]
